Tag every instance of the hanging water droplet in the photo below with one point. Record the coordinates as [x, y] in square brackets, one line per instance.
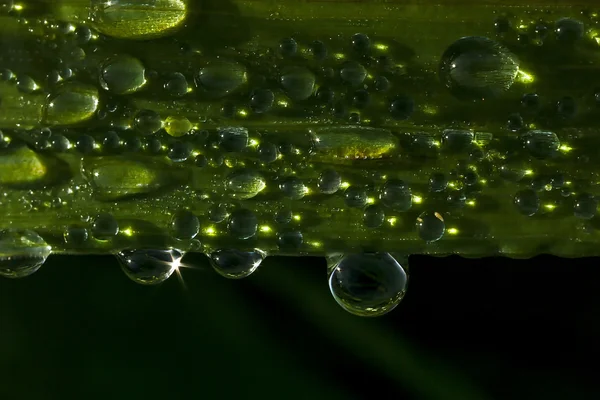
[122, 75]
[245, 184]
[431, 226]
[367, 285]
[22, 252]
[149, 267]
[236, 264]
[474, 68]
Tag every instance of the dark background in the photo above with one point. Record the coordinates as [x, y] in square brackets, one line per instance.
[491, 328]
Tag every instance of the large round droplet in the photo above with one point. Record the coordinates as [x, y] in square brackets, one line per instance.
[245, 183]
[22, 252]
[126, 19]
[219, 78]
[353, 73]
[242, 224]
[235, 264]
[297, 82]
[368, 285]
[71, 103]
[149, 267]
[233, 138]
[185, 225]
[396, 195]
[261, 100]
[431, 226]
[147, 122]
[373, 216]
[293, 188]
[585, 206]
[355, 197]
[105, 226]
[475, 68]
[122, 75]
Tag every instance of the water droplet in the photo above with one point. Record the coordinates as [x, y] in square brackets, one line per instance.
[219, 78]
[373, 216]
[527, 202]
[111, 142]
[245, 184]
[369, 284]
[122, 75]
[149, 267]
[125, 19]
[267, 152]
[396, 195]
[177, 126]
[585, 206]
[176, 84]
[438, 182]
[318, 50]
[353, 73]
[59, 143]
[185, 225]
[515, 122]
[22, 252]
[541, 144]
[566, 107]
[569, 30]
[401, 107]
[236, 264]
[297, 82]
[147, 122]
[217, 213]
[361, 43]
[293, 188]
[26, 84]
[502, 25]
[288, 47]
[233, 138]
[457, 141]
[179, 151]
[283, 217]
[382, 84]
[530, 102]
[431, 226]
[261, 100]
[242, 224]
[474, 68]
[71, 103]
[329, 181]
[85, 144]
[76, 236]
[105, 226]
[355, 196]
[290, 240]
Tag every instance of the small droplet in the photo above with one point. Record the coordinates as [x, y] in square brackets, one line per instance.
[353, 73]
[76, 236]
[569, 30]
[457, 141]
[217, 213]
[176, 85]
[355, 197]
[475, 68]
[373, 216]
[267, 152]
[297, 82]
[85, 144]
[541, 144]
[236, 264]
[233, 138]
[242, 224]
[220, 78]
[401, 107]
[431, 226]
[185, 225]
[290, 240]
[293, 188]
[105, 226]
[530, 102]
[147, 122]
[369, 284]
[438, 182]
[261, 100]
[177, 126]
[179, 151]
[361, 43]
[283, 217]
[396, 195]
[288, 47]
[149, 267]
[22, 252]
[26, 84]
[318, 50]
[122, 75]
[585, 206]
[527, 202]
[245, 184]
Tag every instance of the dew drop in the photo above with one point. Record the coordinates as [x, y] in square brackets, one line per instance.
[293, 188]
[267, 152]
[290, 240]
[401, 107]
[353, 73]
[149, 267]
[568, 30]
[527, 202]
[122, 75]
[585, 206]
[297, 82]
[373, 216]
[355, 197]
[329, 181]
[541, 144]
[261, 100]
[71, 103]
[245, 184]
[22, 252]
[76, 236]
[369, 284]
[185, 225]
[177, 126]
[474, 68]
[105, 226]
[233, 138]
[235, 264]
[430, 226]
[176, 85]
[147, 122]
[242, 224]
[396, 195]
[219, 78]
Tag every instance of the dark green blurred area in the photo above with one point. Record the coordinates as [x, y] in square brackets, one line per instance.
[468, 329]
